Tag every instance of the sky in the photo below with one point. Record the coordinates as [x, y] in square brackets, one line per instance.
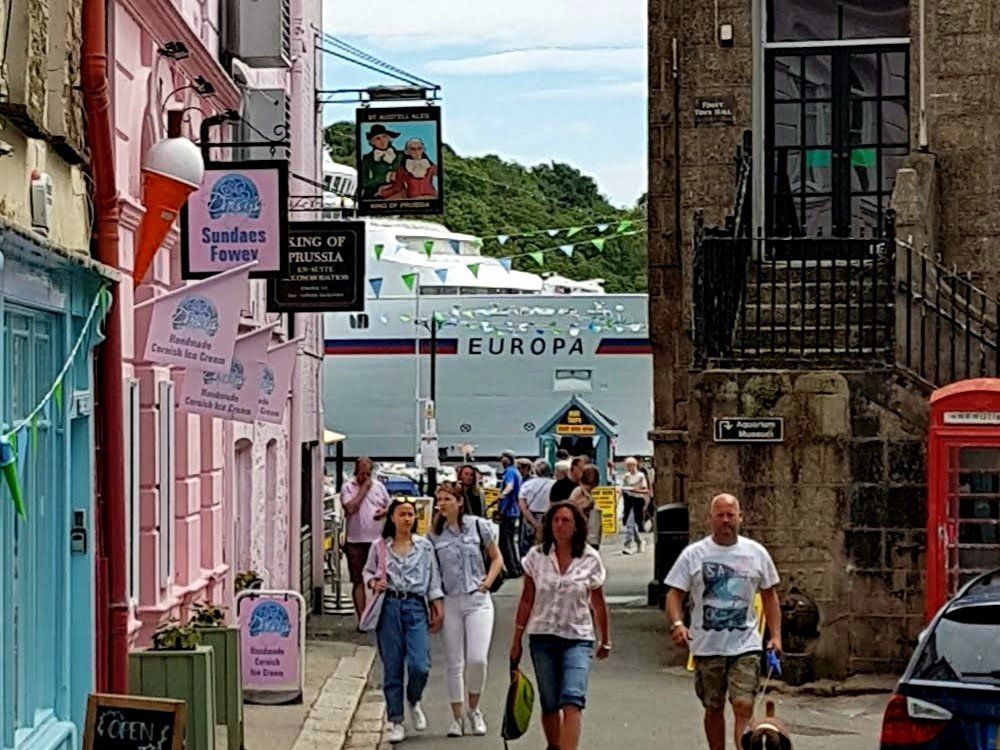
[533, 81]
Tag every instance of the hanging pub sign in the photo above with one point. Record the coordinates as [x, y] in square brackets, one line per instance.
[127, 722]
[238, 215]
[322, 268]
[400, 169]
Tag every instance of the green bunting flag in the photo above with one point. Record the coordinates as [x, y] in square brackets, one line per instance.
[573, 231]
[378, 251]
[8, 462]
[408, 279]
[598, 243]
[539, 257]
[57, 395]
[429, 247]
[439, 319]
[624, 226]
[474, 268]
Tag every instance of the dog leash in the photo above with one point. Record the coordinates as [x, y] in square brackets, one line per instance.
[774, 665]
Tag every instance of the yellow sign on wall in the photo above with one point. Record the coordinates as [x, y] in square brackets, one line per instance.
[575, 429]
[491, 496]
[606, 498]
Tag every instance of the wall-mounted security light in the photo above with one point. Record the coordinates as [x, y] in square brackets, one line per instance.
[726, 35]
[174, 51]
[202, 86]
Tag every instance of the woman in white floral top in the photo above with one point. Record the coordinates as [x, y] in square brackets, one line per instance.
[562, 597]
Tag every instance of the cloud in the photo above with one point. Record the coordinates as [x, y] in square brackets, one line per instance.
[511, 25]
[594, 91]
[625, 59]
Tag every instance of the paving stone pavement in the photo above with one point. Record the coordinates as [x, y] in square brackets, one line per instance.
[329, 719]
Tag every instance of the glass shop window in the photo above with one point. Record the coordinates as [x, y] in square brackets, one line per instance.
[825, 20]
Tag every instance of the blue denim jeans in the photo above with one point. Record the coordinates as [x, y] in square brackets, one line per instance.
[562, 668]
[404, 642]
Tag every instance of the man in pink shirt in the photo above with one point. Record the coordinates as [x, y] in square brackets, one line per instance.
[365, 502]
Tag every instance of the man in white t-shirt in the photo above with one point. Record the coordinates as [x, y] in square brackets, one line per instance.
[722, 574]
[534, 502]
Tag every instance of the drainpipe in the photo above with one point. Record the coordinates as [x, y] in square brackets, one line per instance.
[112, 605]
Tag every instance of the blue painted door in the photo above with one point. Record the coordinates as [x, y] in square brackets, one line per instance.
[43, 662]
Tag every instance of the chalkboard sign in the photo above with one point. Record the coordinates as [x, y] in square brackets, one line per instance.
[125, 722]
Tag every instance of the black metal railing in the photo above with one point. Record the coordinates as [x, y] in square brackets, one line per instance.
[947, 326]
[765, 298]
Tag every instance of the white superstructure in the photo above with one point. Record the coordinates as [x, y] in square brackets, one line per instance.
[512, 348]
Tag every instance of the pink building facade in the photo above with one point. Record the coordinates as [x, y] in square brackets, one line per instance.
[210, 498]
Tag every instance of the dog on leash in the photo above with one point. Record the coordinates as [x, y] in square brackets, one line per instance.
[767, 733]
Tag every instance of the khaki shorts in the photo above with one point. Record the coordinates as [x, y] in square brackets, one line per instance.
[715, 676]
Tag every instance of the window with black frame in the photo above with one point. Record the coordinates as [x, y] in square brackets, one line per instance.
[826, 20]
[838, 115]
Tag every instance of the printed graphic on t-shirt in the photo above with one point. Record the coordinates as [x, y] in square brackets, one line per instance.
[727, 597]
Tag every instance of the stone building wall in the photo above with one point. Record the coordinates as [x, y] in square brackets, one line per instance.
[840, 503]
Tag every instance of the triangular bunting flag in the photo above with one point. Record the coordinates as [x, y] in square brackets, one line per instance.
[442, 273]
[624, 226]
[502, 239]
[57, 395]
[506, 263]
[438, 319]
[8, 462]
[602, 228]
[568, 249]
[456, 246]
[598, 243]
[408, 279]
[474, 268]
[429, 247]
[376, 285]
[378, 251]
[552, 232]
[538, 256]
[574, 231]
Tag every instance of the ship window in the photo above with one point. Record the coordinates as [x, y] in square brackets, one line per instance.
[429, 291]
[572, 381]
[360, 320]
[823, 20]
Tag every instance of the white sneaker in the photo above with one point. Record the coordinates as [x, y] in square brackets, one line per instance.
[419, 719]
[397, 732]
[457, 728]
[478, 722]
[628, 551]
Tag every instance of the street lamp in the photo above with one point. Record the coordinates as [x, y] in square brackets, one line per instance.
[433, 324]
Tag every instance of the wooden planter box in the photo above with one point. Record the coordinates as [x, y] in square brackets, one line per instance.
[225, 642]
[183, 675]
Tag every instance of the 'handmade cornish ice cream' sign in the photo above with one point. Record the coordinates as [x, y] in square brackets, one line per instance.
[238, 215]
[271, 645]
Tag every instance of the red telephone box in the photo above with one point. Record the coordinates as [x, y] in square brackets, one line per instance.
[963, 487]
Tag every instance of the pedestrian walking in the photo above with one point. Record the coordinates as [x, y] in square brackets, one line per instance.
[365, 501]
[508, 514]
[464, 544]
[412, 609]
[722, 574]
[564, 487]
[472, 491]
[635, 494]
[534, 502]
[583, 499]
[563, 596]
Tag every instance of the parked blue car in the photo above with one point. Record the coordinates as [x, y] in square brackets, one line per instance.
[949, 696]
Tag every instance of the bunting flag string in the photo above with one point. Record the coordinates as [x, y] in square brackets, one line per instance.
[507, 261]
[378, 251]
[619, 225]
[13, 446]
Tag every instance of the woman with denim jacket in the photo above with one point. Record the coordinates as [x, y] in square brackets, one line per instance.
[463, 544]
[412, 609]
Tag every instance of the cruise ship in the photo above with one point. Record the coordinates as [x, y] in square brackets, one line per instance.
[512, 349]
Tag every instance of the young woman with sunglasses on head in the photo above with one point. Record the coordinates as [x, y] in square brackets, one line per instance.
[464, 544]
[412, 609]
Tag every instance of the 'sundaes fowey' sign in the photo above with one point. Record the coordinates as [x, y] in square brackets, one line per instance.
[238, 215]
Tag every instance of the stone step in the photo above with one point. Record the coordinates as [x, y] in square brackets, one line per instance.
[795, 293]
[836, 339]
[826, 315]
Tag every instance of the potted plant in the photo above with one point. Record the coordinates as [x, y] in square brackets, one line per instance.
[209, 621]
[248, 579]
[179, 666]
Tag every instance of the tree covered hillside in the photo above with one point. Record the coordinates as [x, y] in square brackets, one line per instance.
[486, 195]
